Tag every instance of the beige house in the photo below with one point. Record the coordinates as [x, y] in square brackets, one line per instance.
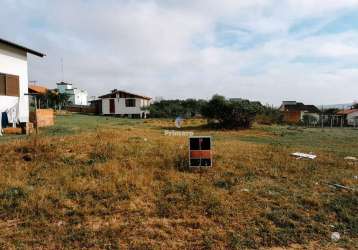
[123, 103]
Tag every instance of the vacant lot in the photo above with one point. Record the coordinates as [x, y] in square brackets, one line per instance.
[107, 183]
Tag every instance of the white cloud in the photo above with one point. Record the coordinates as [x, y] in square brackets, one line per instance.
[169, 48]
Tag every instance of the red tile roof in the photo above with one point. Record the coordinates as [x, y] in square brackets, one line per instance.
[347, 111]
[37, 89]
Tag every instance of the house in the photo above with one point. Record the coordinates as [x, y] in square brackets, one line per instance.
[77, 96]
[14, 81]
[123, 103]
[350, 116]
[294, 112]
[96, 104]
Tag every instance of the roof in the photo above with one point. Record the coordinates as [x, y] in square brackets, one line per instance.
[37, 89]
[299, 106]
[18, 46]
[125, 93]
[64, 83]
[347, 111]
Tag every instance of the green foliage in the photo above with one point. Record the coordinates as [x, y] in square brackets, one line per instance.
[330, 111]
[242, 109]
[173, 108]
[55, 99]
[11, 198]
[346, 209]
[309, 120]
[231, 114]
[269, 115]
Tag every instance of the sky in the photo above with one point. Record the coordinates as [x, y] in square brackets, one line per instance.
[265, 50]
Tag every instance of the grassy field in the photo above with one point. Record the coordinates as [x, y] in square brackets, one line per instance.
[108, 183]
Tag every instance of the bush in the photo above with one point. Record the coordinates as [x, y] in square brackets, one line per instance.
[309, 120]
[269, 115]
[174, 108]
[231, 114]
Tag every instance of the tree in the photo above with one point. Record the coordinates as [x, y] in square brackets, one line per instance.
[173, 108]
[355, 105]
[231, 114]
[56, 100]
[309, 119]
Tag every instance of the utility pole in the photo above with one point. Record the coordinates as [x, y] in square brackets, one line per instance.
[62, 72]
[322, 116]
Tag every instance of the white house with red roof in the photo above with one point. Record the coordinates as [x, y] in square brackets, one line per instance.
[351, 116]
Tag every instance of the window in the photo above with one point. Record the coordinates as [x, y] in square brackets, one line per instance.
[130, 103]
[9, 85]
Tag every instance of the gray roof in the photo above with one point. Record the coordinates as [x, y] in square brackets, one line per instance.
[15, 45]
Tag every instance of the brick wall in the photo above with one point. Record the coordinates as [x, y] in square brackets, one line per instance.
[292, 117]
[42, 117]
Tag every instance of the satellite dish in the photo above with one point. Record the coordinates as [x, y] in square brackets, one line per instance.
[178, 122]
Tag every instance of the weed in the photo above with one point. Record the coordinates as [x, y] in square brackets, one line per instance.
[234, 240]
[11, 198]
[345, 208]
[102, 152]
[213, 206]
[227, 181]
[208, 240]
[89, 186]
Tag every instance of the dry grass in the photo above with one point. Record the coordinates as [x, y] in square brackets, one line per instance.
[126, 187]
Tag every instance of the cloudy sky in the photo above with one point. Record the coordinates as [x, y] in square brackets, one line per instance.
[266, 50]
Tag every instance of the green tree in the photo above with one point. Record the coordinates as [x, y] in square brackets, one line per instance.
[309, 120]
[231, 114]
[173, 108]
[56, 100]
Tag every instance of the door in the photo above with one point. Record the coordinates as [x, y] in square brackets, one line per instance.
[112, 108]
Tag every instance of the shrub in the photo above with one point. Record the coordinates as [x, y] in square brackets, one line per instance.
[309, 120]
[231, 114]
[11, 198]
[102, 152]
[346, 209]
[173, 108]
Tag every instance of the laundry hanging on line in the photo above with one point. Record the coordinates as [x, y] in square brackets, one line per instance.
[4, 120]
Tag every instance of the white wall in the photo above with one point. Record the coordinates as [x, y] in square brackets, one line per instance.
[63, 87]
[77, 96]
[121, 109]
[14, 61]
[352, 119]
[303, 113]
[80, 97]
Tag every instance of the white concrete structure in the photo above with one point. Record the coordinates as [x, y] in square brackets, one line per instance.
[14, 80]
[77, 96]
[125, 104]
[351, 116]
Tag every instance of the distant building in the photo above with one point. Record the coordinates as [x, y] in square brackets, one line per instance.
[123, 103]
[77, 96]
[14, 101]
[350, 116]
[293, 112]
